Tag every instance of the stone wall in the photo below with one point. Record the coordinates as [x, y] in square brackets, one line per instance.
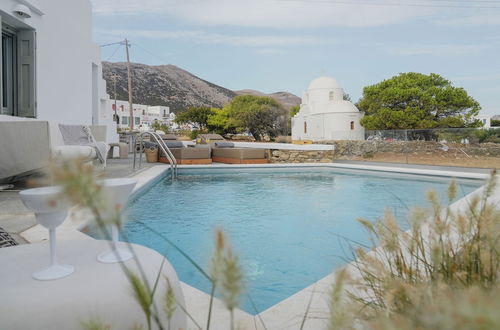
[365, 149]
[300, 156]
[368, 149]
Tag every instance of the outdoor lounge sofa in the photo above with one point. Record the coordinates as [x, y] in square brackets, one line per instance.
[194, 155]
[27, 145]
[75, 141]
[24, 146]
[225, 152]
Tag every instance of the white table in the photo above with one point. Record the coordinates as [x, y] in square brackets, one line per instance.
[94, 291]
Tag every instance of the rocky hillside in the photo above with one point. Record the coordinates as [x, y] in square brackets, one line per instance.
[171, 86]
[288, 100]
[164, 85]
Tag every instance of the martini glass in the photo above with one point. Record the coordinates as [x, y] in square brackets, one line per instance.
[50, 211]
[116, 192]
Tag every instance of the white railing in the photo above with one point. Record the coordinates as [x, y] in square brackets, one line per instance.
[161, 145]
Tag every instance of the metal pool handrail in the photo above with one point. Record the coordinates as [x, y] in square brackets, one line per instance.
[162, 145]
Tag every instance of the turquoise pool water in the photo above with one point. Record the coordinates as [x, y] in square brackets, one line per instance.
[285, 225]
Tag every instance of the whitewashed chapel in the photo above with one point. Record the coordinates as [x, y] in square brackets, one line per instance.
[325, 115]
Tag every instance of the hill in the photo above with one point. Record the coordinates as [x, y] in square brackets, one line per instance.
[176, 88]
[164, 85]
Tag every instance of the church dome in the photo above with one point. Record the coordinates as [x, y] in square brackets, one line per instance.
[324, 83]
[344, 106]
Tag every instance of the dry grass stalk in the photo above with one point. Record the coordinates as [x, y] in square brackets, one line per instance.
[226, 273]
[81, 187]
[422, 278]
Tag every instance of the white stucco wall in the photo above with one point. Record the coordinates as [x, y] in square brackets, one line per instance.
[66, 89]
[147, 114]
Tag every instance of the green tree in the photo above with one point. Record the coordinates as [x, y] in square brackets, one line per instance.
[294, 110]
[261, 116]
[220, 121]
[495, 122]
[415, 100]
[195, 115]
[160, 127]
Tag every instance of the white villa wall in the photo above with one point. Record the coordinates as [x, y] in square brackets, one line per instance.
[65, 55]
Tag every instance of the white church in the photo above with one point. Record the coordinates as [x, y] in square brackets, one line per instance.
[325, 115]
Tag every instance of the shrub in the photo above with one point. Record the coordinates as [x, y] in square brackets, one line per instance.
[194, 133]
[488, 135]
[160, 127]
[426, 277]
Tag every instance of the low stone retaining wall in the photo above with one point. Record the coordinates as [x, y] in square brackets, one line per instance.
[300, 156]
[365, 149]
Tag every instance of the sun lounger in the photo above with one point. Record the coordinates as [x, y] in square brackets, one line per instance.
[195, 155]
[225, 152]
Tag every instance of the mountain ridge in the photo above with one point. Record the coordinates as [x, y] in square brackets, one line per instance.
[171, 86]
[287, 99]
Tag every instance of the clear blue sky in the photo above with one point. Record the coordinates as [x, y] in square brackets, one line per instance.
[281, 45]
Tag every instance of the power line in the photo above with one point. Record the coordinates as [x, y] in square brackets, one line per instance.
[414, 3]
[151, 53]
[114, 52]
[113, 43]
[467, 2]
[420, 2]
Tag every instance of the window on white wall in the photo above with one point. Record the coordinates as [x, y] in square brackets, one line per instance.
[331, 95]
[17, 66]
[9, 74]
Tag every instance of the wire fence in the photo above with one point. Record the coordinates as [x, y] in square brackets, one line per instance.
[445, 135]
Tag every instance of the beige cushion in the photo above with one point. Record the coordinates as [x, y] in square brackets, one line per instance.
[191, 153]
[169, 137]
[239, 153]
[71, 152]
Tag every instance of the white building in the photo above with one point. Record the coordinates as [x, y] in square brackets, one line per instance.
[51, 69]
[485, 120]
[144, 115]
[325, 115]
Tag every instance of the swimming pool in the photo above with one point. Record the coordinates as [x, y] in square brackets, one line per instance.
[285, 225]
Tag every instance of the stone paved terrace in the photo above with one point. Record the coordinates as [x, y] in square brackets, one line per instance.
[16, 218]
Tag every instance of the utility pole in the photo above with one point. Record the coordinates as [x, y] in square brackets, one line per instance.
[129, 73]
[114, 87]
